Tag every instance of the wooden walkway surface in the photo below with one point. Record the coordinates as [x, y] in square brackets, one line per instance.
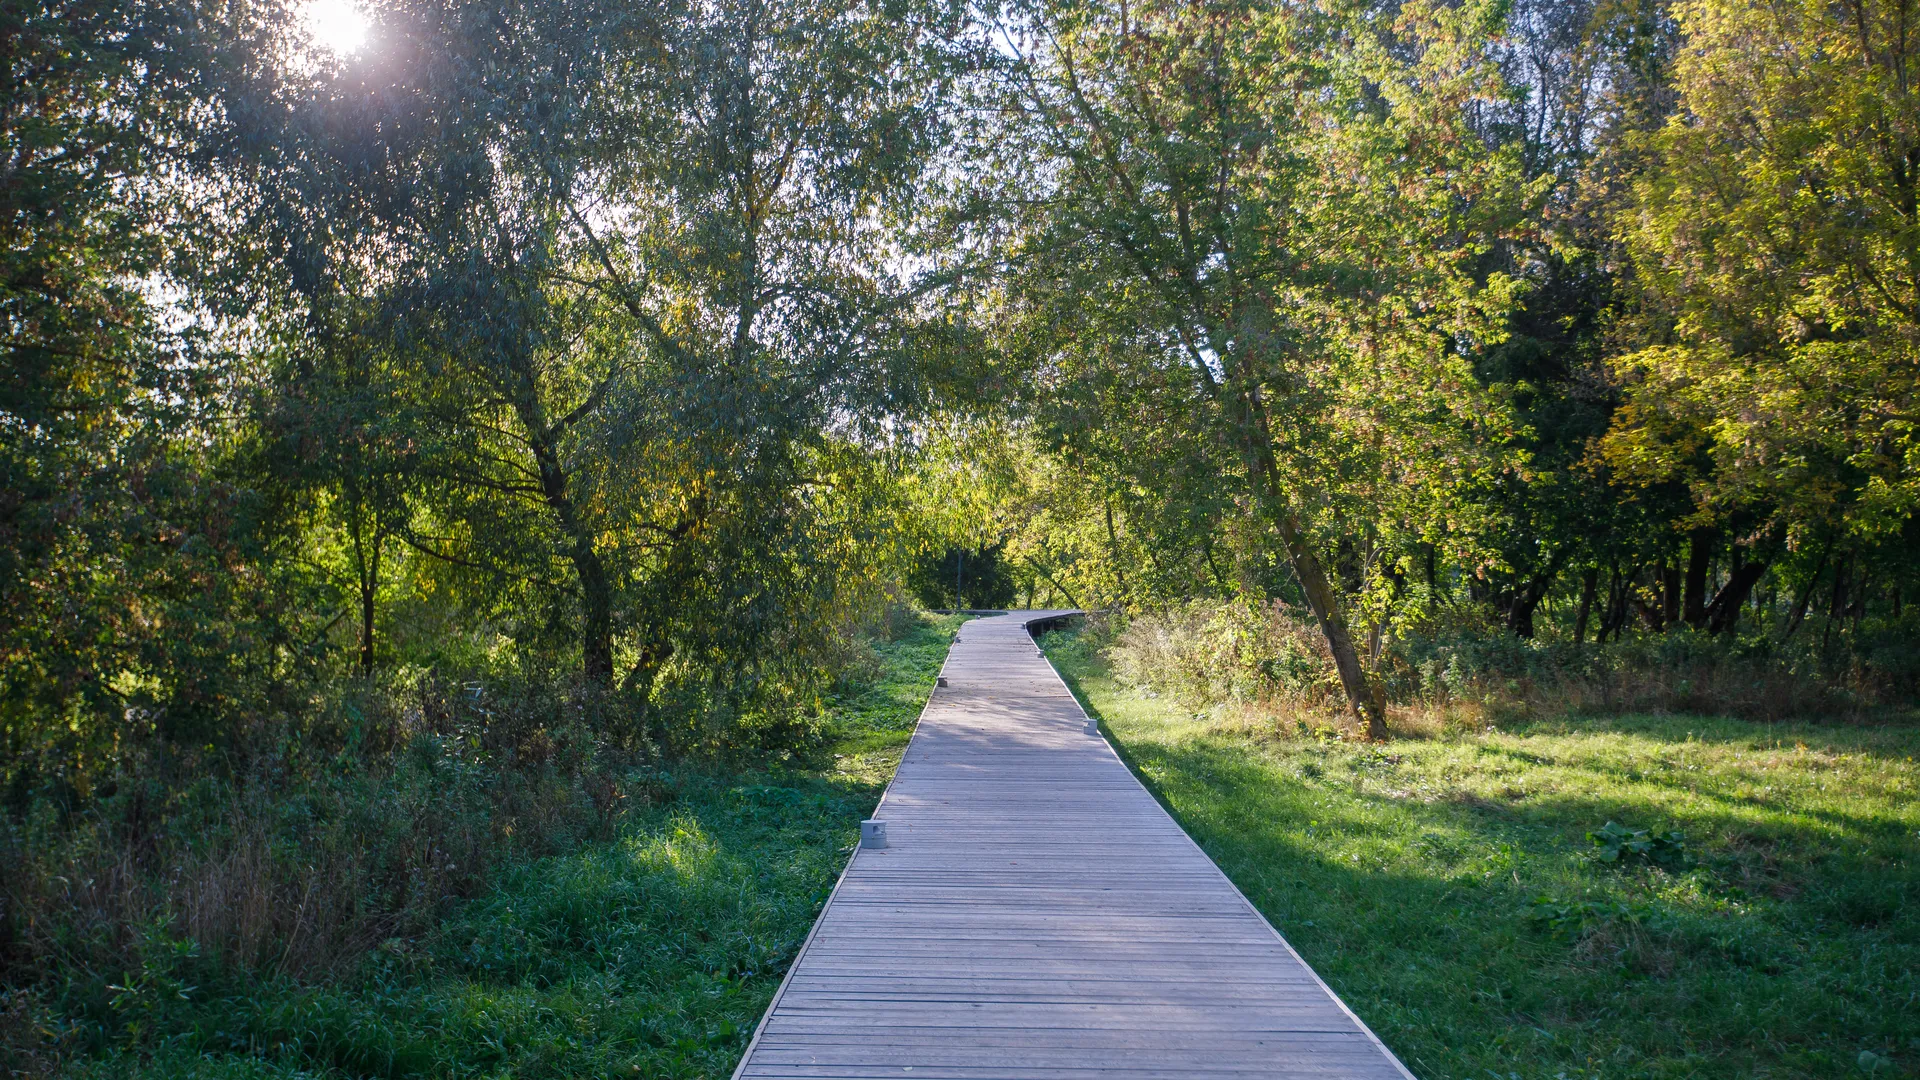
[1037, 914]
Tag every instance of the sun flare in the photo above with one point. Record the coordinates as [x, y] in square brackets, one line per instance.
[338, 26]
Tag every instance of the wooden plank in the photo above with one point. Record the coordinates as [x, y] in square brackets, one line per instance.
[1037, 913]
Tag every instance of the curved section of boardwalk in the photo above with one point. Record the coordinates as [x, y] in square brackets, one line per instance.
[1037, 914]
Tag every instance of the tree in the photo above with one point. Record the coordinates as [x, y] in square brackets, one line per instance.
[1776, 233]
[634, 277]
[130, 520]
[1255, 248]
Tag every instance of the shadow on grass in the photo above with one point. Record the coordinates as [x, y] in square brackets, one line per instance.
[1459, 909]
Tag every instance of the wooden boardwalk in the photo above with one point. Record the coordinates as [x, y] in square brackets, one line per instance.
[1037, 914]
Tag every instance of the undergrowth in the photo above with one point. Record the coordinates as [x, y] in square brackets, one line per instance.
[467, 906]
[1461, 667]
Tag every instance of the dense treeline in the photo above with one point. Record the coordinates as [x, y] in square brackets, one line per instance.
[534, 339]
[614, 363]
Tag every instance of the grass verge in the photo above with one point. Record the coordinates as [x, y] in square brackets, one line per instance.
[1447, 888]
[651, 954]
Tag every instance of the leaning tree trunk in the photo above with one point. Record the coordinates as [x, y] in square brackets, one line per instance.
[1365, 696]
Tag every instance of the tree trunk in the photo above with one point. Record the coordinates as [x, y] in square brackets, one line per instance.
[1527, 600]
[1669, 595]
[1368, 701]
[596, 614]
[1365, 696]
[1588, 584]
[1213, 566]
[1842, 582]
[369, 536]
[1693, 604]
[1615, 618]
[596, 595]
[1799, 612]
[1054, 585]
[368, 587]
[1724, 612]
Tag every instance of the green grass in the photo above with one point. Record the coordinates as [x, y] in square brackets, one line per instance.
[1446, 888]
[649, 955]
[879, 701]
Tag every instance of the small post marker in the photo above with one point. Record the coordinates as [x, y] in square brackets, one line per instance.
[873, 833]
[1093, 726]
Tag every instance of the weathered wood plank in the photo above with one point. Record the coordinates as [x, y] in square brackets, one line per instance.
[1038, 914]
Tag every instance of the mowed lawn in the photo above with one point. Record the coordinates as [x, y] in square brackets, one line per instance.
[1449, 892]
[649, 955]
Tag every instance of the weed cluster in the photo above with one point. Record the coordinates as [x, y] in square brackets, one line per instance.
[360, 826]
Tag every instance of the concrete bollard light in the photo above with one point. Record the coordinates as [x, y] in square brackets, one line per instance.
[1093, 726]
[873, 833]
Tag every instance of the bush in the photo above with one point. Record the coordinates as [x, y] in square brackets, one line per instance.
[1204, 652]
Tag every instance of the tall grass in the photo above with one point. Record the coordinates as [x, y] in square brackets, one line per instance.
[1459, 667]
[363, 824]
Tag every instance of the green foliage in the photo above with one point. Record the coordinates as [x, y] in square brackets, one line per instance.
[876, 703]
[593, 404]
[360, 816]
[1775, 233]
[145, 583]
[1468, 666]
[550, 391]
[1246, 243]
[963, 578]
[1620, 845]
[1571, 921]
[1609, 366]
